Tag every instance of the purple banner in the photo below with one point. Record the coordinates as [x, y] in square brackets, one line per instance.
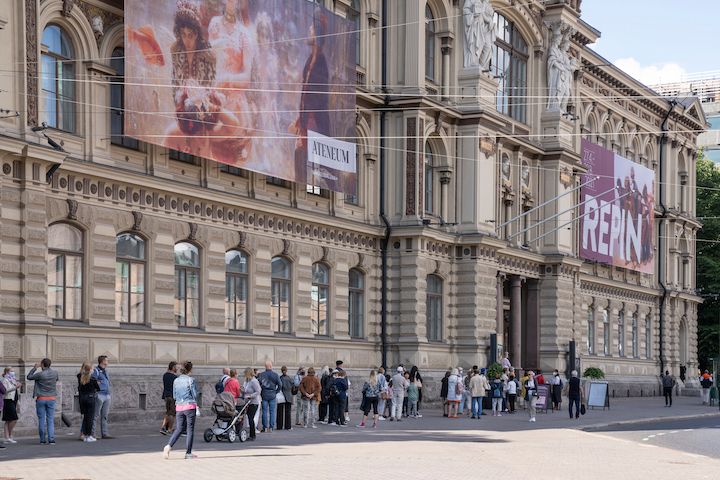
[617, 208]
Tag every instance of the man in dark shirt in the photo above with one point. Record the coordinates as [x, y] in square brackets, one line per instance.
[270, 384]
[574, 393]
[167, 395]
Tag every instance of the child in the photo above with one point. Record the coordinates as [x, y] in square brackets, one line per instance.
[413, 395]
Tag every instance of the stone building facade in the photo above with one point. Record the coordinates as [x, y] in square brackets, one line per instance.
[130, 250]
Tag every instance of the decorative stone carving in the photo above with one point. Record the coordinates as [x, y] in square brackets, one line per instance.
[98, 27]
[242, 240]
[561, 67]
[192, 236]
[67, 7]
[325, 253]
[137, 220]
[361, 260]
[480, 33]
[31, 57]
[286, 247]
[72, 209]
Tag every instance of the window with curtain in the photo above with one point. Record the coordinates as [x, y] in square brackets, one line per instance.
[510, 59]
[280, 295]
[65, 272]
[320, 299]
[434, 305]
[236, 290]
[356, 303]
[429, 180]
[356, 19]
[429, 44]
[187, 285]
[621, 334]
[57, 79]
[591, 331]
[606, 333]
[635, 352]
[117, 102]
[130, 279]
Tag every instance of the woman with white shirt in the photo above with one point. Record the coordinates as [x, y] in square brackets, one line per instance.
[512, 388]
[532, 396]
[556, 385]
[455, 394]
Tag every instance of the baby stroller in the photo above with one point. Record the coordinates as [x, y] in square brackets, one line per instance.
[227, 417]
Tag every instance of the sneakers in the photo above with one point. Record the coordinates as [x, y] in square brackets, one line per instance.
[190, 456]
[382, 419]
[90, 439]
[313, 426]
[9, 440]
[166, 452]
[164, 431]
[418, 416]
[51, 441]
[532, 419]
[362, 425]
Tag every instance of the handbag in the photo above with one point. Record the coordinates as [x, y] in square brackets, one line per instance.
[280, 397]
[582, 409]
[294, 390]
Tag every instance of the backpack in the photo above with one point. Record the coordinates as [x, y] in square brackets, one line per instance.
[668, 381]
[459, 387]
[497, 390]
[220, 385]
[334, 392]
[706, 383]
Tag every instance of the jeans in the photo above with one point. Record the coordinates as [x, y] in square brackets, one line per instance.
[576, 402]
[511, 401]
[284, 415]
[397, 402]
[667, 391]
[299, 415]
[496, 405]
[268, 413]
[413, 409]
[476, 406]
[466, 399]
[381, 406]
[102, 407]
[46, 419]
[184, 421]
[309, 405]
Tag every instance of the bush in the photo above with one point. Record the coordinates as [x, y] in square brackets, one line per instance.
[593, 372]
[494, 369]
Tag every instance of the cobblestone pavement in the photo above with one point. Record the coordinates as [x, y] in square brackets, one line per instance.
[431, 447]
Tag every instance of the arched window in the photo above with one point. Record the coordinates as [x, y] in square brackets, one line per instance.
[606, 333]
[635, 351]
[434, 307]
[648, 336]
[429, 179]
[65, 272]
[236, 290]
[320, 299]
[621, 334]
[356, 303]
[429, 44]
[117, 102]
[58, 79]
[510, 66]
[280, 299]
[187, 285]
[356, 19]
[354, 199]
[130, 279]
[591, 331]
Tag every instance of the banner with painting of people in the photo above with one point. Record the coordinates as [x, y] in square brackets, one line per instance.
[263, 85]
[617, 210]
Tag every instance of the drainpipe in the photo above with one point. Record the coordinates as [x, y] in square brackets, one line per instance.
[384, 244]
[661, 255]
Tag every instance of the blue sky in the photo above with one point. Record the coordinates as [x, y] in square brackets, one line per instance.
[657, 40]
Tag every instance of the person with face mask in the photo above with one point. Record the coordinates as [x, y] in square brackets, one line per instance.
[9, 407]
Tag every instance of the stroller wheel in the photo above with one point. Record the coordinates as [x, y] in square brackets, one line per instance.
[208, 435]
[244, 435]
[231, 435]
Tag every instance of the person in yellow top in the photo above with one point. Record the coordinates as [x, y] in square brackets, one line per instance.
[523, 390]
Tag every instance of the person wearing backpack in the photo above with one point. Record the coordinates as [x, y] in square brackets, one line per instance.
[706, 382]
[496, 391]
[456, 389]
[220, 385]
[270, 385]
[668, 382]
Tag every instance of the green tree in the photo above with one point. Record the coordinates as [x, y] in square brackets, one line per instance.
[708, 258]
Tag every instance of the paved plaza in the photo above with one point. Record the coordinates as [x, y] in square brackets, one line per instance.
[431, 447]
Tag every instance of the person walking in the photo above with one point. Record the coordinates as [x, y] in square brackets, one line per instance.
[371, 390]
[45, 393]
[531, 395]
[103, 398]
[668, 382]
[169, 418]
[455, 393]
[478, 388]
[557, 387]
[310, 390]
[297, 379]
[9, 403]
[285, 400]
[251, 393]
[417, 378]
[444, 393]
[185, 393]
[512, 390]
[399, 385]
[706, 382]
[574, 394]
[87, 393]
[271, 385]
[496, 390]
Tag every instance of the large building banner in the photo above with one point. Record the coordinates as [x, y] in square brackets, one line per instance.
[264, 85]
[617, 210]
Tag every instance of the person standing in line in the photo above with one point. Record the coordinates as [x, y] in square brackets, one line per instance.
[455, 393]
[45, 393]
[103, 399]
[557, 386]
[478, 389]
[406, 407]
[496, 389]
[371, 391]
[310, 390]
[220, 386]
[413, 393]
[169, 418]
[10, 401]
[325, 379]
[532, 396]
[185, 393]
[297, 379]
[339, 368]
[668, 383]
[539, 378]
[574, 394]
[466, 399]
[251, 393]
[271, 385]
[340, 398]
[382, 392]
[706, 382]
[512, 388]
[284, 408]
[2, 408]
[87, 391]
[444, 393]
[232, 386]
[399, 385]
[417, 379]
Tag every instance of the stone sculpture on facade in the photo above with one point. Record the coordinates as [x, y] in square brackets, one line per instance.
[561, 68]
[480, 33]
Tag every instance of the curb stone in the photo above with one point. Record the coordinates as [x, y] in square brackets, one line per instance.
[640, 421]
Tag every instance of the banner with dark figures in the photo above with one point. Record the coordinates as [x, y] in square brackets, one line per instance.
[617, 210]
[264, 85]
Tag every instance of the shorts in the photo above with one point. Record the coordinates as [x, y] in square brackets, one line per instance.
[454, 401]
[170, 406]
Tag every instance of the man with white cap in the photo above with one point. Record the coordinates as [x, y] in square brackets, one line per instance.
[399, 385]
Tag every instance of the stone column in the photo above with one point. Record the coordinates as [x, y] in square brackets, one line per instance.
[532, 325]
[516, 321]
[499, 313]
[445, 177]
[446, 49]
